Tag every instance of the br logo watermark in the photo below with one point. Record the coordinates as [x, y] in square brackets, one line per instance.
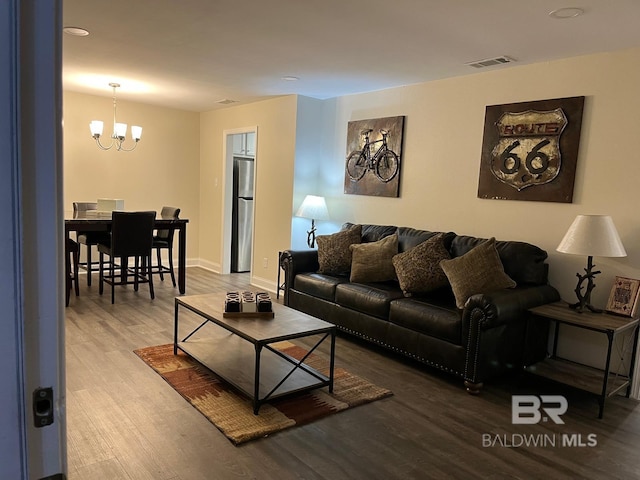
[532, 410]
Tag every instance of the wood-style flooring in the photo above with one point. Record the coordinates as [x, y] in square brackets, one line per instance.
[125, 422]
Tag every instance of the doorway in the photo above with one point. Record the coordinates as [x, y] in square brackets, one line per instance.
[239, 189]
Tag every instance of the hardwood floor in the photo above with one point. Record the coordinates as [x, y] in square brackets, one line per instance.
[125, 422]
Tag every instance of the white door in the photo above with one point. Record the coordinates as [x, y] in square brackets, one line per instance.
[31, 268]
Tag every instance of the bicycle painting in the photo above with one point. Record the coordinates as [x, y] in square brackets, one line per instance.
[373, 156]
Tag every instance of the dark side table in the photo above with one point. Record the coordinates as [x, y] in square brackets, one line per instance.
[279, 286]
[600, 382]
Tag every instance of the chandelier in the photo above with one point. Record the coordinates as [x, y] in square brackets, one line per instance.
[119, 129]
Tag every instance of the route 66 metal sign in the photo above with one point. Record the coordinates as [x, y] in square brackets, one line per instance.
[530, 150]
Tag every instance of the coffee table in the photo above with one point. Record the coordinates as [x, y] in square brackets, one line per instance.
[239, 349]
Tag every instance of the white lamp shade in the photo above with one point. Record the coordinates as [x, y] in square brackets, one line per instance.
[120, 129]
[592, 235]
[313, 207]
[136, 132]
[96, 127]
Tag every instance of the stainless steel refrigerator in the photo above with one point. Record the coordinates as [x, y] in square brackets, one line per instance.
[242, 218]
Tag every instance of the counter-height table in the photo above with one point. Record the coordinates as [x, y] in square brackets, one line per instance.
[86, 221]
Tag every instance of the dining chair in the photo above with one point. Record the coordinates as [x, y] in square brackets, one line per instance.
[163, 240]
[131, 236]
[71, 256]
[89, 238]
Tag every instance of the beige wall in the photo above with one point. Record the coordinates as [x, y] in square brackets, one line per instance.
[441, 155]
[275, 153]
[162, 170]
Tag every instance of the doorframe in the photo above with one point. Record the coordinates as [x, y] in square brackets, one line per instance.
[227, 194]
[32, 246]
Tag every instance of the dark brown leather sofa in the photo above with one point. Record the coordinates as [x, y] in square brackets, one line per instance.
[484, 339]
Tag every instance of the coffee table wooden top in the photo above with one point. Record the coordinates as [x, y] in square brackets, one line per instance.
[286, 324]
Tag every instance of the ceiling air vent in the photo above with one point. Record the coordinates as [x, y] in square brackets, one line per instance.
[226, 101]
[489, 62]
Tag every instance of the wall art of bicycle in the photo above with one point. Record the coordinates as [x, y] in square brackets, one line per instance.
[530, 150]
[373, 161]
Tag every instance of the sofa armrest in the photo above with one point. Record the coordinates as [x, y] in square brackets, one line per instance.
[294, 262]
[494, 330]
[507, 305]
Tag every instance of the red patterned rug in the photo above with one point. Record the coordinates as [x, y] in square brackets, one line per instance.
[232, 413]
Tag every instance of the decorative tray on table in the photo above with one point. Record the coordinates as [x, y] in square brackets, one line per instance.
[248, 304]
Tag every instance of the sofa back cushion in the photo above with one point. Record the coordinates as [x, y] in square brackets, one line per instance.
[523, 262]
[411, 237]
[373, 233]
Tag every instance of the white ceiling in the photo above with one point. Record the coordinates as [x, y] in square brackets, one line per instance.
[190, 54]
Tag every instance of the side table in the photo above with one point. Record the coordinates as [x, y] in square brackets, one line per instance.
[600, 382]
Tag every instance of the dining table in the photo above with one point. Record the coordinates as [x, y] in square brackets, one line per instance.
[101, 222]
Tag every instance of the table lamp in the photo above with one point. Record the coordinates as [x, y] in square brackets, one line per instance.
[593, 236]
[315, 208]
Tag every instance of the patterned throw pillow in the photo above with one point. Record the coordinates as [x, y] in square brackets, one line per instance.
[334, 255]
[477, 271]
[418, 269]
[371, 261]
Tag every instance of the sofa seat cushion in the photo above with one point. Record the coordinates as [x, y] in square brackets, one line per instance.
[369, 298]
[434, 320]
[318, 285]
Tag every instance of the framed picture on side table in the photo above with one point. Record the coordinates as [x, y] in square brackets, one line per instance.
[623, 299]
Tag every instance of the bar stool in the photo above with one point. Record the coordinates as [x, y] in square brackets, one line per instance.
[131, 236]
[163, 240]
[71, 257]
[89, 238]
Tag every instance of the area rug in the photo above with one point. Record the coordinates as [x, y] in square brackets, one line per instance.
[232, 412]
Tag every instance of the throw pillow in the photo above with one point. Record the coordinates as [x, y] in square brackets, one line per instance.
[418, 269]
[372, 262]
[477, 271]
[334, 256]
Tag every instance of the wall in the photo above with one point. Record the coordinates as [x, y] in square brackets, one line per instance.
[314, 122]
[162, 170]
[441, 159]
[275, 153]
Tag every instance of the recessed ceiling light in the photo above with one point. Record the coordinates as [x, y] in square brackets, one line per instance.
[289, 78]
[76, 31]
[565, 13]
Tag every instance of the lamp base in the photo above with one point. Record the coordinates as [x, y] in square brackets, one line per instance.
[584, 300]
[311, 235]
[579, 307]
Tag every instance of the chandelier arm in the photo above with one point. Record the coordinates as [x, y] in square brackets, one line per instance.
[97, 137]
[121, 147]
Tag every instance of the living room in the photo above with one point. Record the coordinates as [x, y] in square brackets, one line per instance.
[301, 150]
